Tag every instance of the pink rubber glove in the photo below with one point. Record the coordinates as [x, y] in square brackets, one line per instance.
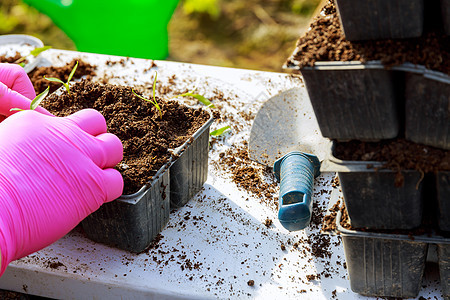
[16, 90]
[53, 173]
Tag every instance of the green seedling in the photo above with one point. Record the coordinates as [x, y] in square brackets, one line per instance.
[36, 101]
[200, 98]
[154, 102]
[66, 84]
[220, 131]
[35, 52]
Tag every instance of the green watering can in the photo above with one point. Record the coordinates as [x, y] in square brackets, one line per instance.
[135, 28]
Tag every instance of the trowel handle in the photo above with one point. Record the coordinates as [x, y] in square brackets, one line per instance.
[296, 172]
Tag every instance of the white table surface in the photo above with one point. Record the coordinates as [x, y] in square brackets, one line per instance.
[224, 234]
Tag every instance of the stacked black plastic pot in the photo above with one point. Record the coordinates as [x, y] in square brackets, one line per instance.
[132, 222]
[369, 102]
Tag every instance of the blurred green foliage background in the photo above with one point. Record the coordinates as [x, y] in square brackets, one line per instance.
[247, 34]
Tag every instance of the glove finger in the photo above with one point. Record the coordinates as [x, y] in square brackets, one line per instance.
[90, 120]
[109, 151]
[12, 99]
[114, 184]
[15, 78]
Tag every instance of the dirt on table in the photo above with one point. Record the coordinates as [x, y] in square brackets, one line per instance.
[146, 135]
[325, 41]
[40, 83]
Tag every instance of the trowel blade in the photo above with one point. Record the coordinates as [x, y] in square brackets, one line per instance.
[286, 122]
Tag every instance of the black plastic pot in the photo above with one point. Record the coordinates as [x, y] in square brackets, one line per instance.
[381, 19]
[131, 222]
[445, 8]
[190, 170]
[352, 100]
[443, 197]
[427, 102]
[372, 199]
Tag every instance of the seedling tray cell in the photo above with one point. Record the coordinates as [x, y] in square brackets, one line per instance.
[131, 222]
[190, 170]
[352, 100]
[381, 19]
[372, 199]
[427, 108]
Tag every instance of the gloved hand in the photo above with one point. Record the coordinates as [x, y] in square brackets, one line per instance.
[53, 173]
[16, 90]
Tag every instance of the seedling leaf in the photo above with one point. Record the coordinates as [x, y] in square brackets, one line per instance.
[66, 84]
[54, 79]
[200, 98]
[36, 101]
[72, 73]
[220, 131]
[35, 52]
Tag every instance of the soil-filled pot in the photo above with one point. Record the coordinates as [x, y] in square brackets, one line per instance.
[427, 102]
[443, 197]
[352, 100]
[154, 140]
[381, 19]
[444, 268]
[374, 201]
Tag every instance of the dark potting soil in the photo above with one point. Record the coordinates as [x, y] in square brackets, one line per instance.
[399, 154]
[146, 137]
[40, 83]
[325, 41]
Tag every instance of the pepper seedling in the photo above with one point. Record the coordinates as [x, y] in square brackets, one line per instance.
[154, 102]
[220, 131]
[35, 52]
[36, 101]
[66, 84]
[199, 97]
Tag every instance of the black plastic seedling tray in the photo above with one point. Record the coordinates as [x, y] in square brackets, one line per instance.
[131, 222]
[352, 100]
[190, 170]
[372, 199]
[390, 264]
[381, 19]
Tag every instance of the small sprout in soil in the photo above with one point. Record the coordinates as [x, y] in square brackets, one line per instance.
[35, 52]
[66, 84]
[200, 98]
[220, 131]
[36, 101]
[154, 102]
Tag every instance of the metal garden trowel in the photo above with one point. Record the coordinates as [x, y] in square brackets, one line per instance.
[285, 135]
